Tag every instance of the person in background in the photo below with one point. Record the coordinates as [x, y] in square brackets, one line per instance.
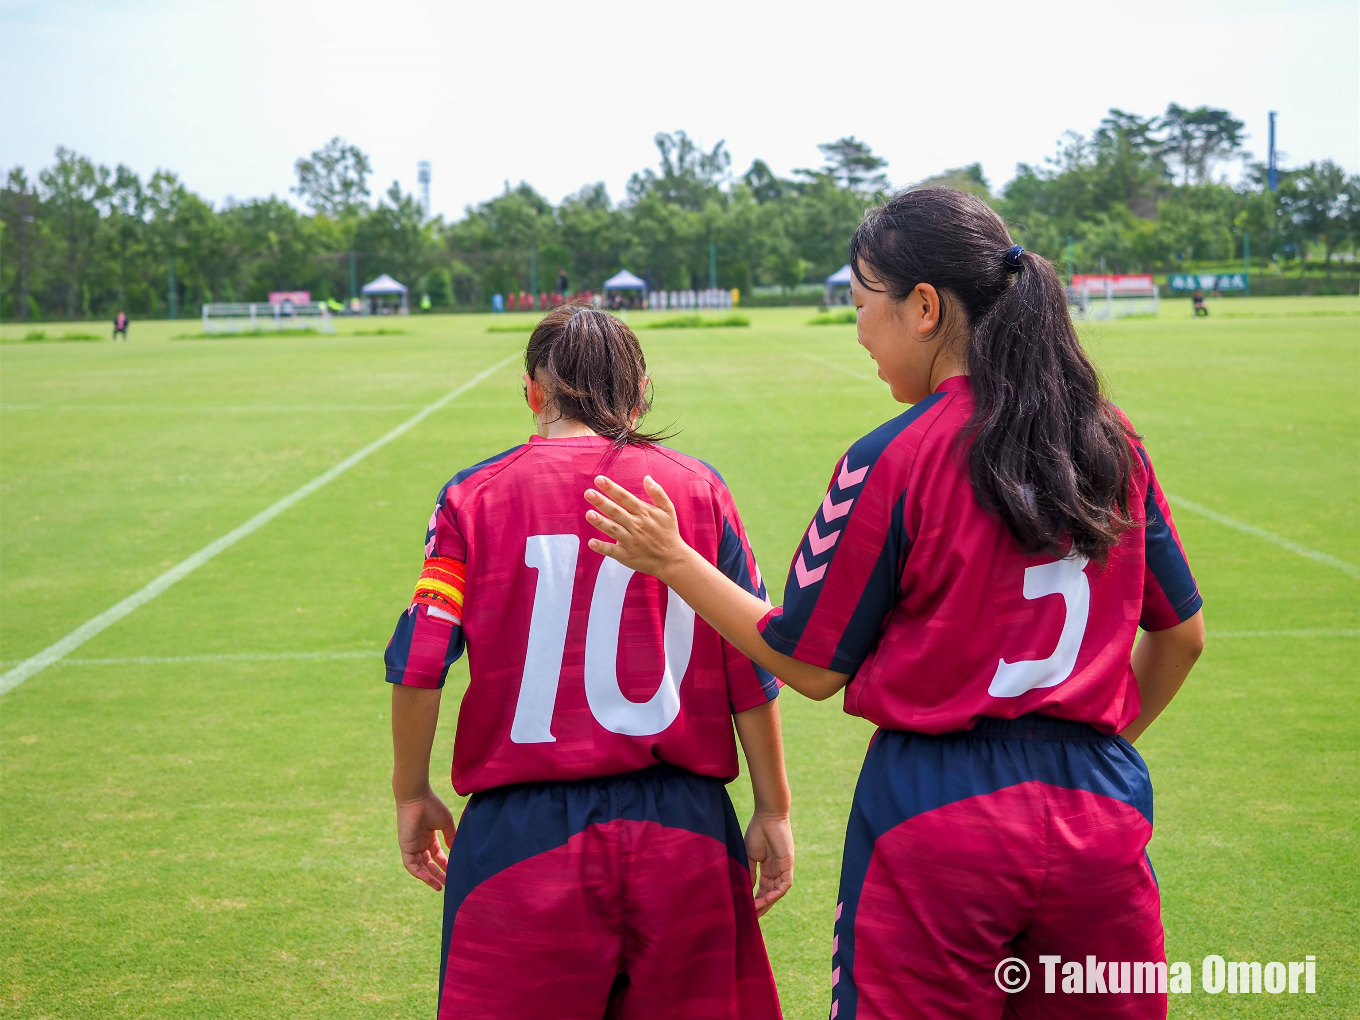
[1198, 302]
[562, 281]
[120, 325]
[425, 303]
[498, 303]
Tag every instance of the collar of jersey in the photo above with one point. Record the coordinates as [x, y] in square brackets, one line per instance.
[954, 382]
[573, 440]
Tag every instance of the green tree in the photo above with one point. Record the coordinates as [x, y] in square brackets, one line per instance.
[394, 238]
[438, 285]
[961, 178]
[69, 190]
[1318, 204]
[689, 177]
[1200, 138]
[333, 180]
[122, 204]
[854, 163]
[18, 210]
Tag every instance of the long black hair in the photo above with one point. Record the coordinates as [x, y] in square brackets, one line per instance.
[1046, 452]
[591, 366]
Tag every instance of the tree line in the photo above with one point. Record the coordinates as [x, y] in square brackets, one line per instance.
[1136, 194]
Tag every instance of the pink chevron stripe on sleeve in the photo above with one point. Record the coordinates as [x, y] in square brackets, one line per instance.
[847, 477]
[806, 576]
[818, 543]
[833, 511]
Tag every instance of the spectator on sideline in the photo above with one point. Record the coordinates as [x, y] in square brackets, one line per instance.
[120, 325]
[1198, 301]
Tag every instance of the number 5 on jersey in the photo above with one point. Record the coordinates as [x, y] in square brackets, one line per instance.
[554, 557]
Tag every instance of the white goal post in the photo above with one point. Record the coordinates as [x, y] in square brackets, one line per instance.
[1112, 297]
[259, 317]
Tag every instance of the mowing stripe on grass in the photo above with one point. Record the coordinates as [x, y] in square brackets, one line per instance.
[53, 653]
[376, 653]
[162, 660]
[1323, 632]
[1250, 529]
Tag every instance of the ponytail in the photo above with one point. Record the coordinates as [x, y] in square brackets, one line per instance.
[1046, 453]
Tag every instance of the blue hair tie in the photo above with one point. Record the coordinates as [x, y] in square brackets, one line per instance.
[1012, 258]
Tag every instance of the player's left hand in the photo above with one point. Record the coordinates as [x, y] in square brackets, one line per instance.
[418, 824]
[769, 855]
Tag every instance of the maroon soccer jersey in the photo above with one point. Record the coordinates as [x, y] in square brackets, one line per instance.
[904, 581]
[579, 667]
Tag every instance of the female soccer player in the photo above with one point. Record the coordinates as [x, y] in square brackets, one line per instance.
[598, 864]
[974, 579]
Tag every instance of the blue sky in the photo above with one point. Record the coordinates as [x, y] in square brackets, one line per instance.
[229, 94]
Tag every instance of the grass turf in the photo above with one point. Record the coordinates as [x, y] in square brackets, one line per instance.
[213, 837]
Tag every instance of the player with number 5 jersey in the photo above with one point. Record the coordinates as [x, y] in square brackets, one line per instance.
[598, 865]
[974, 580]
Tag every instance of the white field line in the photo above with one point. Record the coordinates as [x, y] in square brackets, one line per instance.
[838, 368]
[12, 678]
[1269, 536]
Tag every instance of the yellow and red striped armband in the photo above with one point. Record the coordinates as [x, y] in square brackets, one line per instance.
[441, 586]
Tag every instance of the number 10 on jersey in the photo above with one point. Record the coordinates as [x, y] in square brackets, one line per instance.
[554, 557]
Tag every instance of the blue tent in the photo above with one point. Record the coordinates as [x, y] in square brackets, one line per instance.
[840, 278]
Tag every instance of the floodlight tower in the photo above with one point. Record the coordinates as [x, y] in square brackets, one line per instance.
[423, 176]
[1273, 175]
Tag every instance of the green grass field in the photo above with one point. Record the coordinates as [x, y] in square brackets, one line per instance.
[195, 811]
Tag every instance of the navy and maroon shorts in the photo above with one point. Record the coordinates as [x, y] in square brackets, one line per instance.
[626, 896]
[1018, 838]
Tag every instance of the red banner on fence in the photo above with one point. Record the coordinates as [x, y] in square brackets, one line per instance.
[1118, 284]
[297, 297]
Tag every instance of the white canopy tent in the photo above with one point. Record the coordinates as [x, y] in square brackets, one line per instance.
[384, 287]
[840, 278]
[624, 280]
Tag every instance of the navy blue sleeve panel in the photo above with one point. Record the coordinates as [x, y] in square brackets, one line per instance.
[422, 649]
[1170, 594]
[851, 555]
[880, 594]
[734, 561]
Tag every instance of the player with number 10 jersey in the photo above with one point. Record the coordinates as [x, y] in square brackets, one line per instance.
[598, 867]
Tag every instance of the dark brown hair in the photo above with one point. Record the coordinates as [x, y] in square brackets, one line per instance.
[591, 368]
[1046, 452]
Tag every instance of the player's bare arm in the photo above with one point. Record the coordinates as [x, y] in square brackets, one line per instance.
[769, 836]
[647, 538]
[421, 815]
[1162, 660]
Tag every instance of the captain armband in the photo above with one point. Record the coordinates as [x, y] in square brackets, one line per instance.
[440, 588]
